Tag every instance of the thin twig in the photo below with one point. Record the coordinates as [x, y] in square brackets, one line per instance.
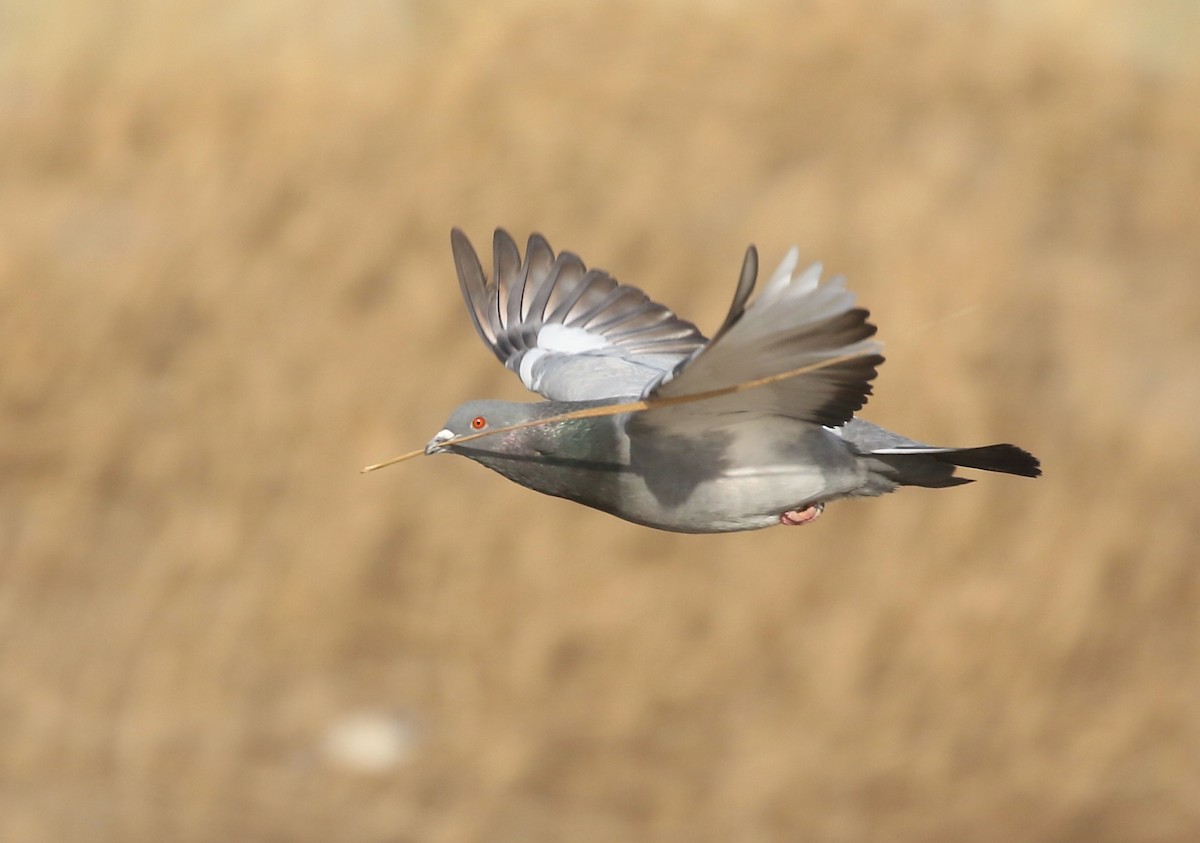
[636, 406]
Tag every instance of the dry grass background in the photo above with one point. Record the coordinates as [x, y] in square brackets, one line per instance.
[225, 284]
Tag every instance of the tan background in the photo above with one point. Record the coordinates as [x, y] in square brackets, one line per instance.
[225, 284]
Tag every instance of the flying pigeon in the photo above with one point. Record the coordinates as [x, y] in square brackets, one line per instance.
[752, 428]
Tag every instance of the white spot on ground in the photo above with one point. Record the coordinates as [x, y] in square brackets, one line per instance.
[370, 741]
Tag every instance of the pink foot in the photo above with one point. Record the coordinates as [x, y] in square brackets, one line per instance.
[798, 517]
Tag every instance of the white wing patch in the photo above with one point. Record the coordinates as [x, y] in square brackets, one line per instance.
[563, 339]
[558, 337]
[530, 357]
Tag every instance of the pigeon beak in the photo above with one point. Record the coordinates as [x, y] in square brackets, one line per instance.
[435, 444]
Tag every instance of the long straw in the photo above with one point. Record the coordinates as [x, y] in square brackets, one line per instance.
[636, 406]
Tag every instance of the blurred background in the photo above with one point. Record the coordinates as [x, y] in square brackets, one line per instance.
[226, 285]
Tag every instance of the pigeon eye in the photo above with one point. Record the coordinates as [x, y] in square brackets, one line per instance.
[479, 422]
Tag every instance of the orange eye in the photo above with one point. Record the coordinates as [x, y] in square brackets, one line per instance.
[479, 422]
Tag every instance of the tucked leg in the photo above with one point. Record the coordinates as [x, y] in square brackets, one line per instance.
[797, 517]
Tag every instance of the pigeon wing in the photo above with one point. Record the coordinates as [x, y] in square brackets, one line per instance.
[570, 333]
[795, 322]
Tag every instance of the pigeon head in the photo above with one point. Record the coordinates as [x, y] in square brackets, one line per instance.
[480, 417]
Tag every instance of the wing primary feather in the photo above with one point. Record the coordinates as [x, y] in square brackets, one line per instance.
[516, 294]
[473, 285]
[595, 296]
[564, 268]
[639, 306]
[539, 262]
[572, 297]
[609, 304]
[648, 315]
[506, 262]
[742, 294]
[570, 273]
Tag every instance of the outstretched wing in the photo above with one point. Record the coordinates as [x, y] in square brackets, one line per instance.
[572, 334]
[795, 322]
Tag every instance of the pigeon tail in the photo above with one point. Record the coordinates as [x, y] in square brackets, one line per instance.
[1003, 458]
[934, 468]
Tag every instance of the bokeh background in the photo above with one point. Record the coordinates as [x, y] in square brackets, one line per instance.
[226, 284]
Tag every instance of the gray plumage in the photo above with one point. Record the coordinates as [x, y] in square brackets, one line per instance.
[742, 461]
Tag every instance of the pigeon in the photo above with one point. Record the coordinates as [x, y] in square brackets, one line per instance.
[666, 428]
